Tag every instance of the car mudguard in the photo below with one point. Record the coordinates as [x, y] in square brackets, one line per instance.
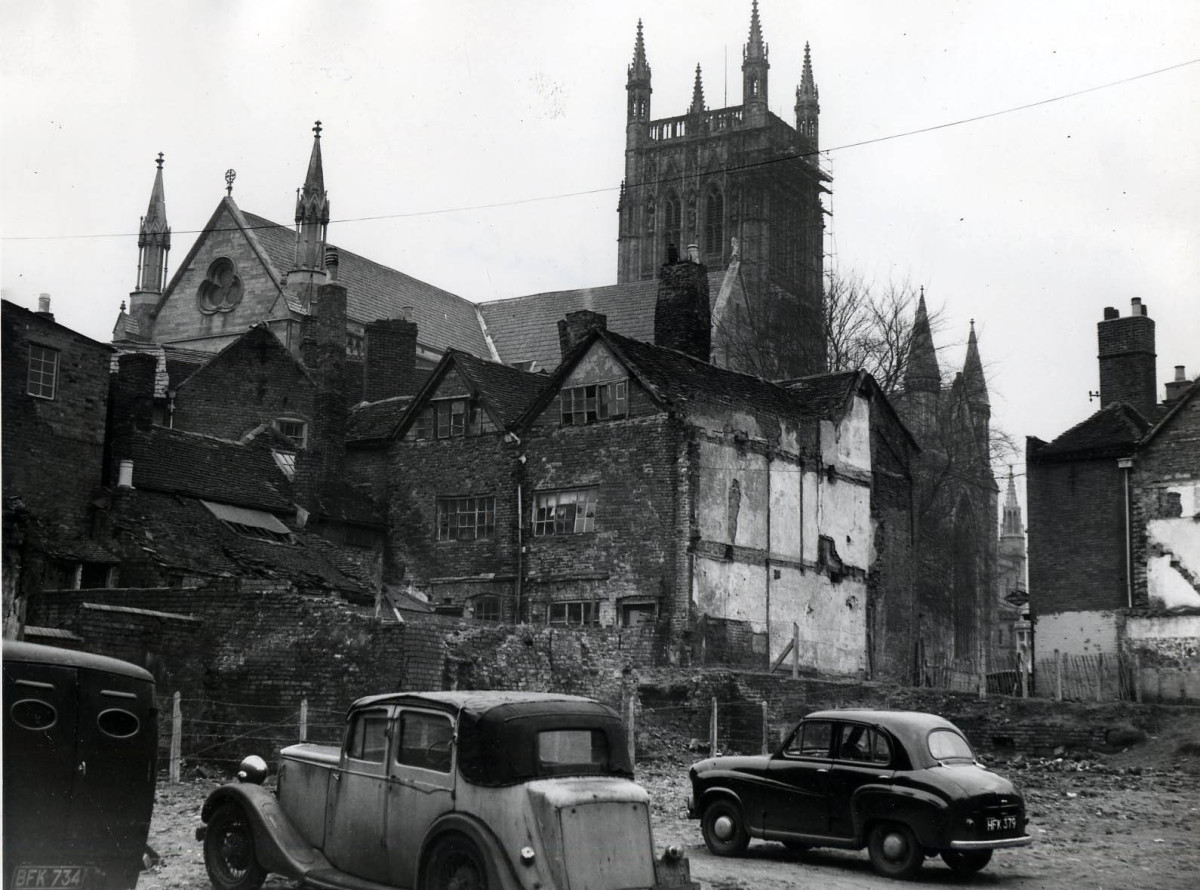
[501, 868]
[926, 814]
[278, 846]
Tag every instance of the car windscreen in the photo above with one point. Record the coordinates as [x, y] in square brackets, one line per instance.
[945, 744]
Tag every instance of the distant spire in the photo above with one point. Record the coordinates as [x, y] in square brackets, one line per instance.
[808, 107]
[1012, 524]
[697, 94]
[639, 70]
[922, 373]
[312, 212]
[755, 48]
[973, 379]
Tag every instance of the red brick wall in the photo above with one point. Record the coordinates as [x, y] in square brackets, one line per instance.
[1076, 536]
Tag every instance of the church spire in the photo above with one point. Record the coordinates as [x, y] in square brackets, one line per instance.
[154, 244]
[1011, 524]
[808, 108]
[973, 379]
[312, 224]
[754, 72]
[697, 94]
[922, 373]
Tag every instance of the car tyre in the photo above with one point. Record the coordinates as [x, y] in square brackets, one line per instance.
[229, 850]
[724, 829]
[894, 850]
[966, 863]
[455, 863]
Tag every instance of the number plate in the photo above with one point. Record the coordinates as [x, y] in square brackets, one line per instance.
[1000, 823]
[50, 877]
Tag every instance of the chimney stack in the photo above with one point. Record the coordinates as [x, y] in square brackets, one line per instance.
[324, 351]
[131, 409]
[576, 326]
[390, 365]
[1127, 359]
[1176, 387]
[682, 315]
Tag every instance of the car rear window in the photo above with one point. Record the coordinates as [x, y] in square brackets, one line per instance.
[944, 744]
[572, 750]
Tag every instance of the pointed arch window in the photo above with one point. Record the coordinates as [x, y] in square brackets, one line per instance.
[672, 223]
[221, 289]
[714, 223]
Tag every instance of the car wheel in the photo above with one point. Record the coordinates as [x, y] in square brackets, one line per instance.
[229, 850]
[894, 850]
[966, 863]
[455, 864]
[723, 828]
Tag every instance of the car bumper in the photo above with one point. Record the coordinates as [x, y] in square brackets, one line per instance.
[997, 844]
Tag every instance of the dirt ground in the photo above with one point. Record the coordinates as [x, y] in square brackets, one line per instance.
[1128, 819]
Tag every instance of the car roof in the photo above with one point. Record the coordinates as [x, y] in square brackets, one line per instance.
[36, 653]
[473, 702]
[910, 726]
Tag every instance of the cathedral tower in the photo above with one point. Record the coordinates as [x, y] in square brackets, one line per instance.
[709, 176]
[154, 244]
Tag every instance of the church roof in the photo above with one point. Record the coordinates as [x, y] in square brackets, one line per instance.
[374, 291]
[526, 328]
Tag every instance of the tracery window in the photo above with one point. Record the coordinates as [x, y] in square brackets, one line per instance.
[221, 289]
[714, 223]
[672, 223]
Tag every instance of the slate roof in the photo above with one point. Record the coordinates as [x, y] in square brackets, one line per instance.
[375, 421]
[825, 394]
[1113, 431]
[178, 532]
[1168, 415]
[374, 291]
[525, 328]
[508, 390]
[199, 466]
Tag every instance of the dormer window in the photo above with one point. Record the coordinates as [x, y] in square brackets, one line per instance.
[451, 419]
[294, 429]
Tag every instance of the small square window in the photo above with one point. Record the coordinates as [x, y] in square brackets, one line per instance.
[487, 608]
[296, 430]
[43, 371]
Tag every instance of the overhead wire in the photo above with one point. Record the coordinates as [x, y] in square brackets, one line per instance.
[516, 202]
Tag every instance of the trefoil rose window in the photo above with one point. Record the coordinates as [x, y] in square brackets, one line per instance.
[221, 289]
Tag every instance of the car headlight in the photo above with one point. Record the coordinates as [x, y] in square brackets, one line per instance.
[527, 855]
[673, 853]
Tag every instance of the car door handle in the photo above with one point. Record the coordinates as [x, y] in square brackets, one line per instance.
[823, 770]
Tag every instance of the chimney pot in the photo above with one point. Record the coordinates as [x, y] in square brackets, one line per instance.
[331, 262]
[693, 253]
[406, 313]
[43, 303]
[125, 475]
[1110, 313]
[1180, 374]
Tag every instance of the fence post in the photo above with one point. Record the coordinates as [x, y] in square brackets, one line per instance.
[1021, 674]
[795, 650]
[712, 730]
[1058, 675]
[627, 714]
[304, 720]
[766, 730]
[176, 739]
[1099, 676]
[982, 683]
[1137, 677]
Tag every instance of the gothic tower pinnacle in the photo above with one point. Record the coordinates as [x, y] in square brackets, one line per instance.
[154, 243]
[697, 94]
[922, 377]
[312, 226]
[754, 72]
[973, 379]
[637, 85]
[808, 108]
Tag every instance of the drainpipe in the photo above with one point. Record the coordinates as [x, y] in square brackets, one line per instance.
[1126, 464]
[520, 552]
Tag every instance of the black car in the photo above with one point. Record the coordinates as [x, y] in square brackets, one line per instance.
[903, 784]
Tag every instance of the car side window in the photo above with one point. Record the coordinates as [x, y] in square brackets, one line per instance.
[367, 738]
[863, 744]
[811, 740]
[425, 741]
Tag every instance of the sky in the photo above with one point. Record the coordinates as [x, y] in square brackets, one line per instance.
[478, 145]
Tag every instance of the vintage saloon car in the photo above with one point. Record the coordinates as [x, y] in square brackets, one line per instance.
[905, 785]
[448, 790]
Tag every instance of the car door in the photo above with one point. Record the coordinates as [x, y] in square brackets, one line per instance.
[862, 756]
[420, 785]
[796, 798]
[356, 818]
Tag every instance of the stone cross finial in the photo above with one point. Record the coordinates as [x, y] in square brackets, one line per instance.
[317, 129]
[160, 160]
[230, 176]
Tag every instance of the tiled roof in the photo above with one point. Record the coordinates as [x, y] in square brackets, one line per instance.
[506, 389]
[373, 291]
[824, 394]
[1113, 431]
[526, 328]
[180, 533]
[214, 469]
[370, 421]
